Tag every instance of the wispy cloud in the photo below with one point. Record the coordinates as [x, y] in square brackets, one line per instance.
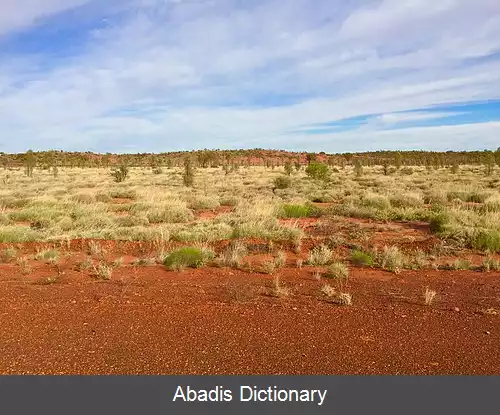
[165, 74]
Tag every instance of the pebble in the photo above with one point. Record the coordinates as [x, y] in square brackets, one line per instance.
[456, 309]
[487, 332]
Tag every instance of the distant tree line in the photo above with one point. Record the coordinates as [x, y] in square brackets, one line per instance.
[230, 160]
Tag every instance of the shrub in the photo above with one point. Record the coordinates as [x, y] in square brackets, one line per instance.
[300, 211]
[486, 239]
[438, 223]
[477, 197]
[404, 201]
[233, 254]
[102, 197]
[191, 257]
[361, 258]
[8, 254]
[344, 299]
[338, 271]
[49, 255]
[429, 296]
[280, 259]
[170, 214]
[491, 264]
[461, 264]
[282, 182]
[279, 290]
[120, 174]
[129, 221]
[328, 290]
[157, 170]
[103, 271]
[204, 202]
[83, 198]
[375, 201]
[123, 194]
[392, 259]
[320, 255]
[406, 170]
[358, 168]
[317, 171]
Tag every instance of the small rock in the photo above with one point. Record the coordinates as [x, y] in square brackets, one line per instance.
[294, 308]
[456, 309]
[487, 332]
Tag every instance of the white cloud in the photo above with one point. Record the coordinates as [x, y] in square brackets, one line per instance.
[18, 14]
[209, 74]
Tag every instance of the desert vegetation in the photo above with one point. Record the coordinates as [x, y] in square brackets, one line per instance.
[279, 229]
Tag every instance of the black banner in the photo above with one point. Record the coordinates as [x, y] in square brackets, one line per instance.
[248, 394]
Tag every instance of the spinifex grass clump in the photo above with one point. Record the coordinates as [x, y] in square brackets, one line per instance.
[361, 258]
[188, 257]
[320, 255]
[300, 211]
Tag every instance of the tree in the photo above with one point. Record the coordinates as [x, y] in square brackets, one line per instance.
[288, 168]
[489, 163]
[398, 160]
[29, 163]
[188, 176]
[358, 168]
[386, 168]
[120, 173]
[317, 171]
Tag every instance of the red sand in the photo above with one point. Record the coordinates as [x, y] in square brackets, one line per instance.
[221, 321]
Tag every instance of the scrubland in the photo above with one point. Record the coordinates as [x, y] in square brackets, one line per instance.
[261, 236]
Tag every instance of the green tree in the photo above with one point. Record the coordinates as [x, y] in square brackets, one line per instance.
[29, 163]
[398, 160]
[188, 176]
[120, 173]
[489, 163]
[317, 171]
[358, 168]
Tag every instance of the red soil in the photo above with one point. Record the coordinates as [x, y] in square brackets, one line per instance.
[223, 321]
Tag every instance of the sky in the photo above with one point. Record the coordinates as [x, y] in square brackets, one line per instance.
[300, 75]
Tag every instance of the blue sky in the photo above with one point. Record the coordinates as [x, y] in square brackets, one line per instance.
[323, 75]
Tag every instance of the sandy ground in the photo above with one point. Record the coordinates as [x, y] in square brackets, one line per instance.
[147, 320]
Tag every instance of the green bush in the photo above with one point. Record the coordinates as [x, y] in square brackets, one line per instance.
[405, 201]
[439, 223]
[487, 240]
[188, 257]
[361, 258]
[317, 171]
[120, 174]
[300, 211]
[282, 182]
[337, 270]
